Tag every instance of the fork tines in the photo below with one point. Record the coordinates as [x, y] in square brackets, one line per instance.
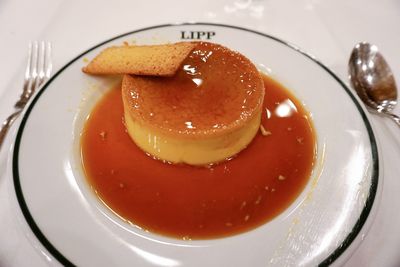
[38, 69]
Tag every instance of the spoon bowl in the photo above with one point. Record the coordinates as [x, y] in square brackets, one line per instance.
[373, 80]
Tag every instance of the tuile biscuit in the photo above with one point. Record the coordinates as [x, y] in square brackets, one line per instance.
[153, 60]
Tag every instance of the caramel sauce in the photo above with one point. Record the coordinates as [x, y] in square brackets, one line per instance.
[189, 202]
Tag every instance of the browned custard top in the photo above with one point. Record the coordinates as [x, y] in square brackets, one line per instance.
[215, 90]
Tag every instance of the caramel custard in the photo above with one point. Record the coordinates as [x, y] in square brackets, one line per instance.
[209, 111]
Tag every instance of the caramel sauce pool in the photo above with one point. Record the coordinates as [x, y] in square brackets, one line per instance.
[187, 202]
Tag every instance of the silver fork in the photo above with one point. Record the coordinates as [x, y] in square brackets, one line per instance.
[38, 70]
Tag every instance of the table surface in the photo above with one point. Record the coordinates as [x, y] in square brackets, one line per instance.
[326, 29]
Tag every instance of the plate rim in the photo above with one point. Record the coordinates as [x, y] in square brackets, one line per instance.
[340, 249]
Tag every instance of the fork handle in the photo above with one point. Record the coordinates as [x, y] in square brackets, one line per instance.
[7, 125]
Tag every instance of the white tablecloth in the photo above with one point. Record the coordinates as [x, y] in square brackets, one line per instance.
[326, 29]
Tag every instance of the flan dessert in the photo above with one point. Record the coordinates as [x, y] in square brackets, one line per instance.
[207, 112]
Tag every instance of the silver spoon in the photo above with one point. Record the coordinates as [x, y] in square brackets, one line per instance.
[373, 80]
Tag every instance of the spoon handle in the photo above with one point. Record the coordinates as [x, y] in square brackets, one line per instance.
[392, 116]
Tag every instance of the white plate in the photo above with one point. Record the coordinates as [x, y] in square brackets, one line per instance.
[75, 228]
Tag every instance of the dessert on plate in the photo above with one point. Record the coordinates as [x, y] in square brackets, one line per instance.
[207, 111]
[199, 103]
